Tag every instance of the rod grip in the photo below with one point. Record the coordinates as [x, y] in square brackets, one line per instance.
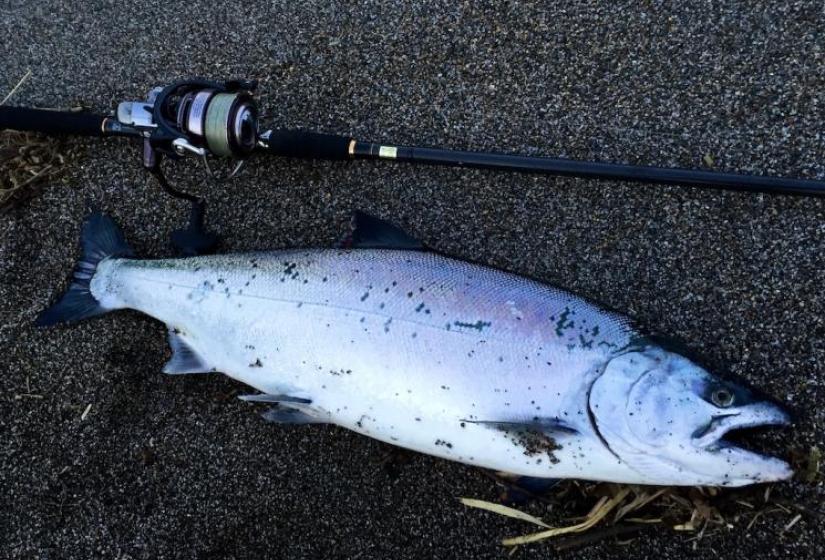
[308, 145]
[51, 122]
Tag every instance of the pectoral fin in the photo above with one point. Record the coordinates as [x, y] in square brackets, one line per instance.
[519, 490]
[544, 425]
[278, 399]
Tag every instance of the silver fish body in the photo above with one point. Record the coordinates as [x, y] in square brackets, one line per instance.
[444, 357]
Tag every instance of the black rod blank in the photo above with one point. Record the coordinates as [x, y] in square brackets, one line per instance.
[314, 145]
[592, 170]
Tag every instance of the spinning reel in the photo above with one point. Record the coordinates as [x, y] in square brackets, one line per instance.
[197, 118]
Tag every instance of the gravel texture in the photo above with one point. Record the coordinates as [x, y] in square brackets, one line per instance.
[175, 467]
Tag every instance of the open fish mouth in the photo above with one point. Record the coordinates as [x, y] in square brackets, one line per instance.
[752, 416]
[744, 466]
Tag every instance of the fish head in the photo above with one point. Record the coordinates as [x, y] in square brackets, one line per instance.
[665, 417]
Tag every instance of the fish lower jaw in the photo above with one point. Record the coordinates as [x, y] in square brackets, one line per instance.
[745, 467]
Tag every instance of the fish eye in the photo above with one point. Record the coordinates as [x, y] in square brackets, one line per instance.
[722, 397]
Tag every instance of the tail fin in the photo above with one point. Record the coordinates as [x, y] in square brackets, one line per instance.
[100, 239]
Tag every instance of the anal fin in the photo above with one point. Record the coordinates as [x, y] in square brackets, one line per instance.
[184, 359]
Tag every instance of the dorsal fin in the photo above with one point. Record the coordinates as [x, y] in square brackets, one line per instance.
[369, 232]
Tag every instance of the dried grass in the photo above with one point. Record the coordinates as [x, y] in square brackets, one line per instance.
[28, 161]
[620, 510]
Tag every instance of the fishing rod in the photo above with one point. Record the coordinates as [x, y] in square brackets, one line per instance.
[219, 121]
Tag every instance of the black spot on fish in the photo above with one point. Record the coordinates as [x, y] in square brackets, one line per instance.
[478, 325]
[563, 323]
[256, 363]
[365, 296]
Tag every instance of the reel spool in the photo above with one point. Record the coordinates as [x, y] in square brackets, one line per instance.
[226, 123]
